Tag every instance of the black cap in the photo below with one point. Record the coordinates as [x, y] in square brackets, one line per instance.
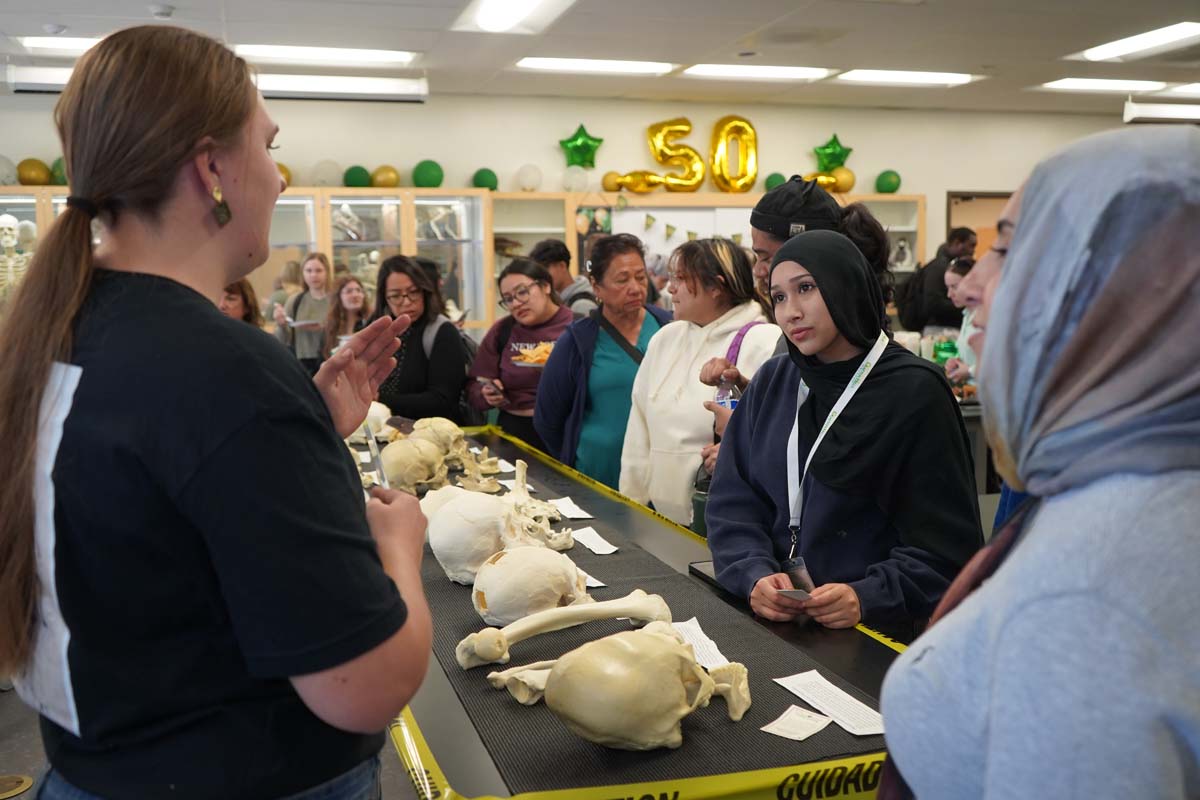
[795, 207]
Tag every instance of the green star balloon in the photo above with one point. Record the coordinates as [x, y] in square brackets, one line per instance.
[580, 148]
[832, 155]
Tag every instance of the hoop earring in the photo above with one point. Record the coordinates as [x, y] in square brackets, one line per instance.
[220, 211]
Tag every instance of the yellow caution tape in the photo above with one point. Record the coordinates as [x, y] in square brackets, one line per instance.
[849, 778]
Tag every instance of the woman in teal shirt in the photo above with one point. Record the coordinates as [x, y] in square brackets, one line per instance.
[584, 396]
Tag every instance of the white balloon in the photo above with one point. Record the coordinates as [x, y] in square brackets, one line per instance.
[575, 179]
[327, 173]
[529, 178]
[8, 172]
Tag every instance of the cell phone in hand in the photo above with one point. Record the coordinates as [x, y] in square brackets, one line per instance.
[796, 594]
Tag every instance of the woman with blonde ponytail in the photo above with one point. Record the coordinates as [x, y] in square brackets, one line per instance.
[192, 593]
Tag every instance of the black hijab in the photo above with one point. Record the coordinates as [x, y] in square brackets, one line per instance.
[901, 440]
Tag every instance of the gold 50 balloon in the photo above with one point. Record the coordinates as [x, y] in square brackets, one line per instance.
[729, 173]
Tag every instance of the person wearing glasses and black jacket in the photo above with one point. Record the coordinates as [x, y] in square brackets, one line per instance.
[509, 364]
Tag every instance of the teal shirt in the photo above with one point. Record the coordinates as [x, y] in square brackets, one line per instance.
[609, 397]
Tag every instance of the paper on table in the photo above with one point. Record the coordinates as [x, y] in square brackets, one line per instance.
[707, 653]
[593, 583]
[505, 467]
[364, 457]
[568, 508]
[476, 450]
[856, 717]
[511, 484]
[594, 541]
[797, 723]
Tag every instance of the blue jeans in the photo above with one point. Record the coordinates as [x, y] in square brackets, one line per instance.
[360, 783]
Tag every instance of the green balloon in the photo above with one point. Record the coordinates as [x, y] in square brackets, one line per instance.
[887, 182]
[428, 174]
[58, 172]
[485, 179]
[356, 176]
[775, 179]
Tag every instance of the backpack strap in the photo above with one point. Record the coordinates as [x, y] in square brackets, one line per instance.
[503, 334]
[735, 347]
[630, 350]
[430, 333]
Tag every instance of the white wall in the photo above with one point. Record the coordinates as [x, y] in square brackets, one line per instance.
[934, 152]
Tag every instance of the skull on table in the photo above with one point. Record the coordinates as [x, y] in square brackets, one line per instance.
[523, 580]
[413, 465]
[446, 435]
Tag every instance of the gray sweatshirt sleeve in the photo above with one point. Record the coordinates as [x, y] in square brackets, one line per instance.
[1086, 702]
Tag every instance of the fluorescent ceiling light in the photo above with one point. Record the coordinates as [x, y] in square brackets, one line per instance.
[343, 87]
[510, 16]
[1186, 90]
[906, 77]
[596, 65]
[38, 79]
[1161, 112]
[1156, 41]
[57, 45]
[756, 72]
[1103, 85]
[339, 56]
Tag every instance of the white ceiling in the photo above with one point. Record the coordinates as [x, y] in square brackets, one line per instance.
[1017, 43]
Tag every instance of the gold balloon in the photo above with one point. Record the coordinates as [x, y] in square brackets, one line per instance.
[661, 137]
[640, 181]
[739, 177]
[611, 182]
[284, 173]
[33, 172]
[844, 177]
[385, 177]
[823, 179]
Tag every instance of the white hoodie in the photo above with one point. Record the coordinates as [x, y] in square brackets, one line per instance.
[668, 424]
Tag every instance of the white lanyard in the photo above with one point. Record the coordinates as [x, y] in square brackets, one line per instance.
[796, 482]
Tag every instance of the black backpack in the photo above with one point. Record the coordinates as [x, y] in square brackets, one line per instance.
[910, 304]
[467, 414]
[575, 298]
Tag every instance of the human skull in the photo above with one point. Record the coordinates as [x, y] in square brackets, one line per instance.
[520, 581]
[413, 465]
[8, 231]
[446, 435]
[631, 690]
[434, 500]
[466, 531]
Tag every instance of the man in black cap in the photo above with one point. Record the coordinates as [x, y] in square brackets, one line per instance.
[788, 209]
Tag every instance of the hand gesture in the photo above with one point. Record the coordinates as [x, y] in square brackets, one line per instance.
[349, 380]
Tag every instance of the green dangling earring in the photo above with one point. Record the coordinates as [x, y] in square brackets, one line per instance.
[221, 210]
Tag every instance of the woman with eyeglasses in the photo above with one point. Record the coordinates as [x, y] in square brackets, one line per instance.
[584, 396]
[510, 360]
[718, 314]
[432, 360]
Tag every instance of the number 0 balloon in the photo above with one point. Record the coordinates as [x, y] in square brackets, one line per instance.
[729, 177]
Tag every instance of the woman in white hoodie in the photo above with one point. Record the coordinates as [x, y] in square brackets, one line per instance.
[718, 313]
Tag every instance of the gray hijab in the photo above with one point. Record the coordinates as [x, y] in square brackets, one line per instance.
[1090, 364]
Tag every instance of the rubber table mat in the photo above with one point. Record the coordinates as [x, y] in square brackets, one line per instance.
[534, 751]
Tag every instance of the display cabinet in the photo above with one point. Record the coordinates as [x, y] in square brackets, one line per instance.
[522, 219]
[449, 227]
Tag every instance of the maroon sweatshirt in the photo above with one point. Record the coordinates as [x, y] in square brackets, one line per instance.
[520, 382]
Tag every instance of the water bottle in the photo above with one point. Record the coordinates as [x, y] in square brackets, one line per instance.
[727, 394]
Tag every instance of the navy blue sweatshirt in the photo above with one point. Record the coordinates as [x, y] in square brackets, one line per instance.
[844, 538]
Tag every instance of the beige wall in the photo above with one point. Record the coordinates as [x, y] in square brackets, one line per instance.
[934, 152]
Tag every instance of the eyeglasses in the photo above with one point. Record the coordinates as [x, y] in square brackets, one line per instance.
[411, 296]
[519, 295]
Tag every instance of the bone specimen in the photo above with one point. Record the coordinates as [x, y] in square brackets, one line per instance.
[520, 581]
[472, 478]
[413, 465]
[630, 690]
[490, 646]
[446, 435]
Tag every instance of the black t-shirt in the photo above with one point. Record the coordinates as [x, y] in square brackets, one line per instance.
[211, 540]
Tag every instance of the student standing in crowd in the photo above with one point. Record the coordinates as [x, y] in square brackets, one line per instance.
[194, 595]
[287, 284]
[575, 290]
[1062, 662]
[718, 313]
[348, 314]
[961, 368]
[850, 453]
[584, 395]
[238, 301]
[305, 332]
[503, 376]
[932, 312]
[431, 364]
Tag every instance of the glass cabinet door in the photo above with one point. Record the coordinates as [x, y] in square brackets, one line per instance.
[450, 232]
[366, 230]
[293, 237]
[19, 237]
[24, 208]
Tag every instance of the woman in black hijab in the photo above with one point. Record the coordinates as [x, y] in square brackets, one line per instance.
[882, 505]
